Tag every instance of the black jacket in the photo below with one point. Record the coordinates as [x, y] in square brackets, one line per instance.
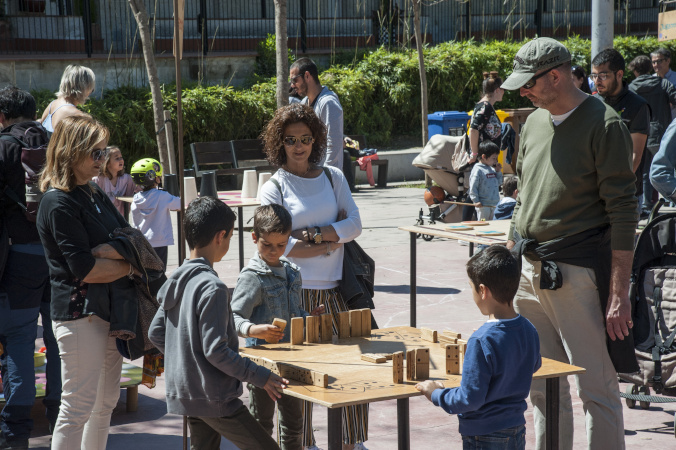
[658, 92]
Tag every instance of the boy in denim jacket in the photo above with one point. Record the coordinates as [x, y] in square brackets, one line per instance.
[269, 287]
[485, 181]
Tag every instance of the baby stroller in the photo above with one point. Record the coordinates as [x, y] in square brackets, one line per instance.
[435, 160]
[653, 297]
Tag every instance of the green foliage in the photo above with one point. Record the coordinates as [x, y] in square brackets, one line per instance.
[379, 91]
[266, 60]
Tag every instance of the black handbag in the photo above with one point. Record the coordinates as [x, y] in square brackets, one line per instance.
[357, 285]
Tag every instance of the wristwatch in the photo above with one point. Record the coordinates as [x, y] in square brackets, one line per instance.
[318, 235]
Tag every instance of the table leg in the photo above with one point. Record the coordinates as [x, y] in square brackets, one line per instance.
[403, 426]
[412, 305]
[552, 413]
[335, 428]
[240, 231]
[471, 249]
[132, 399]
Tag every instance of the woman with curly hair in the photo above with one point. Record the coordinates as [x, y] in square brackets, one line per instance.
[324, 218]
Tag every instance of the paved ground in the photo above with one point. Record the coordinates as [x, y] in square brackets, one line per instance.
[443, 302]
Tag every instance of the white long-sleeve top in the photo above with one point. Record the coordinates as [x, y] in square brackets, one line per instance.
[312, 202]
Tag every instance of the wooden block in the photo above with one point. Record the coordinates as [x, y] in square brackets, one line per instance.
[366, 321]
[344, 325]
[461, 356]
[312, 330]
[428, 334]
[422, 364]
[387, 356]
[371, 357]
[452, 359]
[281, 324]
[398, 367]
[297, 330]
[410, 365]
[443, 340]
[355, 323]
[462, 341]
[320, 379]
[291, 371]
[326, 327]
[451, 334]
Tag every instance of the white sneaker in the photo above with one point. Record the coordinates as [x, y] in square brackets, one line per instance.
[463, 243]
[360, 446]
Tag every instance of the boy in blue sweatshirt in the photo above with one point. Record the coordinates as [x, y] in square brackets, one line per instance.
[500, 360]
[195, 330]
[269, 287]
[485, 180]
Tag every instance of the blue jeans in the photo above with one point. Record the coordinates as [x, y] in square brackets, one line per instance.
[507, 439]
[25, 294]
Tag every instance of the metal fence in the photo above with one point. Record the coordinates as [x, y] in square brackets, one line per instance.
[105, 27]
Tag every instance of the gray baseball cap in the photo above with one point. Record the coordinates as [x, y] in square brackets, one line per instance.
[537, 55]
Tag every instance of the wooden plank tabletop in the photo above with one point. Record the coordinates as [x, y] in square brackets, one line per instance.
[354, 381]
[442, 230]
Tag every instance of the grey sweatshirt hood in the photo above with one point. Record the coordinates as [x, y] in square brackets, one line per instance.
[175, 286]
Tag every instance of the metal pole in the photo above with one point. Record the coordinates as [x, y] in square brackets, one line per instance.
[538, 17]
[87, 24]
[179, 137]
[203, 19]
[303, 25]
[602, 26]
[403, 425]
[412, 282]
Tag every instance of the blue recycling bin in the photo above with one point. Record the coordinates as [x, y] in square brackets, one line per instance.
[449, 123]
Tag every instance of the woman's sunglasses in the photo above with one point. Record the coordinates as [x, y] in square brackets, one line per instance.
[99, 154]
[291, 140]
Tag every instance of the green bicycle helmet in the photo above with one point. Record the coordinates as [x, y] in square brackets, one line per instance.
[144, 171]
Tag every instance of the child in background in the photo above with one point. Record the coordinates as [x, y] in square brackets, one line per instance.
[114, 182]
[151, 206]
[485, 180]
[268, 288]
[500, 360]
[195, 330]
[505, 208]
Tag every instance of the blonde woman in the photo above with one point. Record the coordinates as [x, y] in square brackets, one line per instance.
[114, 182]
[74, 219]
[77, 84]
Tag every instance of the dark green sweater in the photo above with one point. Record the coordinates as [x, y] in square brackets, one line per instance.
[576, 176]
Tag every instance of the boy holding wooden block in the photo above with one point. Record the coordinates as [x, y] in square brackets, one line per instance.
[500, 359]
[269, 288]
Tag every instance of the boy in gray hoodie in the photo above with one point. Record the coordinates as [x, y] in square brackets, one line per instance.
[195, 330]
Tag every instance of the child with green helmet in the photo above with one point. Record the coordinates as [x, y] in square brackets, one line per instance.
[151, 206]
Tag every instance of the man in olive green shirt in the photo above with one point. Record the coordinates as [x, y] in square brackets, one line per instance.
[576, 196]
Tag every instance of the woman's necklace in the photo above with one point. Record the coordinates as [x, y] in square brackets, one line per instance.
[91, 197]
[309, 167]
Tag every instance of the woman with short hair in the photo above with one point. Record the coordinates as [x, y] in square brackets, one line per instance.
[77, 84]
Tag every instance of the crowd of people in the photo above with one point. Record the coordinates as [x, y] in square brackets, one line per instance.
[588, 159]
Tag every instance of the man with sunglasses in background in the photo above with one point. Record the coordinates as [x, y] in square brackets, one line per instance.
[661, 63]
[24, 282]
[573, 227]
[304, 79]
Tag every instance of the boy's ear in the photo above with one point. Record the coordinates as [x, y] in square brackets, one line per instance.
[484, 292]
[254, 237]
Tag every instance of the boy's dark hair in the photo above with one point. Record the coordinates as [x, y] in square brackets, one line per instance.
[204, 217]
[16, 103]
[271, 219]
[642, 65]
[509, 186]
[306, 65]
[611, 56]
[488, 148]
[498, 270]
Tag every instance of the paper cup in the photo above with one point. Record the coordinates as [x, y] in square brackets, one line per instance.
[263, 177]
[249, 184]
[189, 190]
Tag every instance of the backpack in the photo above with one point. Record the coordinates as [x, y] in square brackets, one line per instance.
[33, 145]
[653, 297]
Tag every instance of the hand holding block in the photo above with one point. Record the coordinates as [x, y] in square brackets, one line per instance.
[366, 322]
[281, 324]
[371, 357]
[326, 327]
[428, 334]
[355, 323]
[422, 364]
[312, 329]
[398, 367]
[344, 325]
[297, 330]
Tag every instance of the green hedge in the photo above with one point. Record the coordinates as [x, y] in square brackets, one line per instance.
[379, 91]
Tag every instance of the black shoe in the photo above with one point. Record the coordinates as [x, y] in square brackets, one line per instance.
[16, 444]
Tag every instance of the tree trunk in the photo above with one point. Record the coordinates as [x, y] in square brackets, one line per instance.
[141, 16]
[282, 53]
[423, 77]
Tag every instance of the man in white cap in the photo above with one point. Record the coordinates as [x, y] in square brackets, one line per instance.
[574, 225]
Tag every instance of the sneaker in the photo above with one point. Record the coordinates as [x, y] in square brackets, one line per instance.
[360, 446]
[463, 243]
[17, 444]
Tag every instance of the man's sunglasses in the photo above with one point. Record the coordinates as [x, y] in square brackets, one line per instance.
[292, 80]
[99, 154]
[291, 140]
[531, 83]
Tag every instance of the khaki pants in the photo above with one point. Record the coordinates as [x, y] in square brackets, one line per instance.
[571, 327]
[241, 429]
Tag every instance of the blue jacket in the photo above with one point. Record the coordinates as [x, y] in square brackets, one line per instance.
[260, 296]
[500, 360]
[484, 185]
[662, 169]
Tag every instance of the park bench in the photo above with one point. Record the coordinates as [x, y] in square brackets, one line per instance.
[380, 163]
[248, 154]
[214, 156]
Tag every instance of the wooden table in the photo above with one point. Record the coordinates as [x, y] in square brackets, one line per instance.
[233, 199]
[353, 381]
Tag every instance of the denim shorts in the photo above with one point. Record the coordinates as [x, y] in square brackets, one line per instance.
[507, 439]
